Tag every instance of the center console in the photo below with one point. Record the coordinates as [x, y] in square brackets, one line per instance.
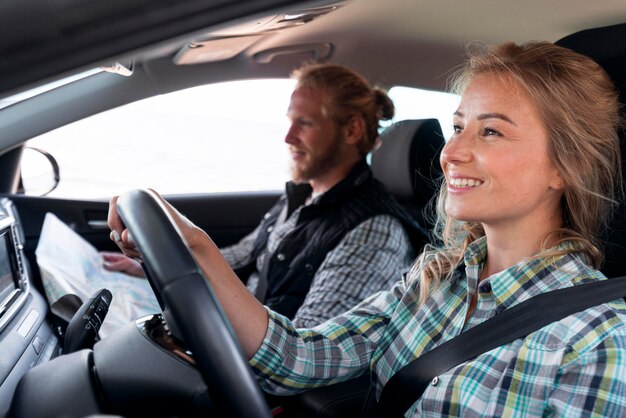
[26, 339]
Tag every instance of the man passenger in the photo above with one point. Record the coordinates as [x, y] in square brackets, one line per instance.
[335, 236]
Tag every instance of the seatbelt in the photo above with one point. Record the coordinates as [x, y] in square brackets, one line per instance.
[407, 385]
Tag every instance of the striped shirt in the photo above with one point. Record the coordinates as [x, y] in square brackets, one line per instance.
[368, 259]
[573, 367]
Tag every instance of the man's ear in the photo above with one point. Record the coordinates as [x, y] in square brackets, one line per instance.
[354, 130]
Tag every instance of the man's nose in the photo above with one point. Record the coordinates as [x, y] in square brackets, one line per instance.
[291, 137]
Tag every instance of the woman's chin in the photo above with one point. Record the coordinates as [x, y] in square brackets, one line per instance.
[460, 213]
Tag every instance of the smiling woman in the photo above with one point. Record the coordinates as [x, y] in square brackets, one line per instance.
[514, 234]
[180, 46]
[498, 168]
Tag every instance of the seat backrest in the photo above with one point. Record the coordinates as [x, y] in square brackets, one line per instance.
[407, 163]
[613, 59]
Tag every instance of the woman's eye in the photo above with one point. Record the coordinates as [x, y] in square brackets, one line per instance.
[457, 129]
[490, 132]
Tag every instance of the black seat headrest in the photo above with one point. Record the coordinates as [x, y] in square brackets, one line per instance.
[407, 162]
[607, 46]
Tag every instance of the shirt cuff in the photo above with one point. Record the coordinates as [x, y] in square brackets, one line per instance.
[268, 360]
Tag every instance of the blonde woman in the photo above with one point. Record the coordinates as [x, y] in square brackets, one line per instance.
[530, 178]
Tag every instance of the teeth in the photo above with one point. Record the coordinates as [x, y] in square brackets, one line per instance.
[465, 182]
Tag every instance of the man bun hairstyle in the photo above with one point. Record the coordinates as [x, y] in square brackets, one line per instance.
[347, 94]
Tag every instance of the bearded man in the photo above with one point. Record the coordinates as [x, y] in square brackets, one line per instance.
[336, 236]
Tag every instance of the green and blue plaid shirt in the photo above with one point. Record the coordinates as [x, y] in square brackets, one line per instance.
[573, 367]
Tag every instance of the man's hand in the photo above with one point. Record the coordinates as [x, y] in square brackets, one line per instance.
[119, 262]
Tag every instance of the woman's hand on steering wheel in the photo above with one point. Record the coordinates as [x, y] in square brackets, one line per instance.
[122, 237]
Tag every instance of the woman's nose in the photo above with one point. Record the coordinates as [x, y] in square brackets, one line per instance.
[458, 149]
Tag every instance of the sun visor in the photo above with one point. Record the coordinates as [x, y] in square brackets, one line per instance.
[212, 50]
[231, 40]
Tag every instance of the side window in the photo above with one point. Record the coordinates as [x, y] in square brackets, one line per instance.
[225, 137]
[412, 103]
[216, 138]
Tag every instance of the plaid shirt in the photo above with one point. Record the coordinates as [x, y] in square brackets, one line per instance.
[573, 367]
[368, 259]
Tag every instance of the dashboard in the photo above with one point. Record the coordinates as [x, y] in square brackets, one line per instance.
[26, 338]
[38, 373]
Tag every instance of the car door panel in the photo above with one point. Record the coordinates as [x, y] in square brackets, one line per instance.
[226, 217]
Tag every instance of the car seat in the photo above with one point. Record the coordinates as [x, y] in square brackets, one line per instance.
[613, 60]
[407, 163]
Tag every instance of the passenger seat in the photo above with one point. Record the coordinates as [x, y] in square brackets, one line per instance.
[407, 163]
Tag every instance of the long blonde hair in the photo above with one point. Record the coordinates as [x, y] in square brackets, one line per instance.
[579, 106]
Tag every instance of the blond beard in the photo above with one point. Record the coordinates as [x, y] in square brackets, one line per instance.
[320, 164]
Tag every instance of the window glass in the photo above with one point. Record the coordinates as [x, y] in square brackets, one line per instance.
[412, 103]
[217, 138]
[226, 137]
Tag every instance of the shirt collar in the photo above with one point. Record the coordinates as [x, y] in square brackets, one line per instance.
[525, 279]
[297, 193]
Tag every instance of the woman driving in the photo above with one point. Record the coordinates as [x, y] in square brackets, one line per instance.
[530, 179]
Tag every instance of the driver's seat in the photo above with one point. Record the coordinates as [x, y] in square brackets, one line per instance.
[613, 61]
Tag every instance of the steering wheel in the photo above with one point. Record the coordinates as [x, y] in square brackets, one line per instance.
[191, 307]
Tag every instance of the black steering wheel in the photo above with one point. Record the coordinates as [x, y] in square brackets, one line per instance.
[191, 305]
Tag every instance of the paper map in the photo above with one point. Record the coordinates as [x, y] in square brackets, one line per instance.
[71, 265]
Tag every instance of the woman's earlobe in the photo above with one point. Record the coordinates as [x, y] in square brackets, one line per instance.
[558, 184]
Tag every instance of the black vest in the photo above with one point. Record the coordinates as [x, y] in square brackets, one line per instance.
[321, 226]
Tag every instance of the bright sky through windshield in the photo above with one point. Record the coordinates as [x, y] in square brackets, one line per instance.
[224, 137]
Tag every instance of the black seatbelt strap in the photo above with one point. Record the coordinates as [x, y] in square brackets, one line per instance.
[407, 385]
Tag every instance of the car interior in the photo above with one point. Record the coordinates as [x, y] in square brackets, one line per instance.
[184, 361]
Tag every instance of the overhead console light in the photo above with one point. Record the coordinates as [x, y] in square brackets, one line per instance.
[226, 43]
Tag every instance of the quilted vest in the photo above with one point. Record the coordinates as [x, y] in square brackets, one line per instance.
[290, 269]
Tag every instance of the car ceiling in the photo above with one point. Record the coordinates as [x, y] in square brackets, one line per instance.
[392, 42]
[364, 33]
